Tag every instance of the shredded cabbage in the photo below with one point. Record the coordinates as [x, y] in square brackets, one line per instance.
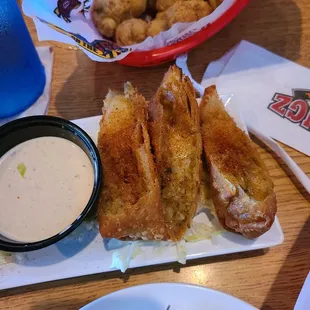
[181, 252]
[119, 261]
[201, 229]
[198, 232]
[137, 251]
[159, 247]
[115, 244]
[121, 258]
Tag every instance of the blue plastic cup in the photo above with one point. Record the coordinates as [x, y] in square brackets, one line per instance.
[22, 75]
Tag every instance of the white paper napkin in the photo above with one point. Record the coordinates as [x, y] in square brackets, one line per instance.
[272, 92]
[303, 301]
[40, 107]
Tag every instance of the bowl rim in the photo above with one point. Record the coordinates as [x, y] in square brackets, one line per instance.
[164, 54]
[96, 161]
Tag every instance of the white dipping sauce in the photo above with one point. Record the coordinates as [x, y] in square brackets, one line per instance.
[50, 195]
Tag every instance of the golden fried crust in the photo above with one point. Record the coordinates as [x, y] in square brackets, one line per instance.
[187, 11]
[108, 14]
[118, 10]
[137, 7]
[163, 5]
[241, 186]
[131, 31]
[215, 3]
[156, 26]
[130, 205]
[176, 141]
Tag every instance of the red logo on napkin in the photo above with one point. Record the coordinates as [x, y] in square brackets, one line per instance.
[294, 108]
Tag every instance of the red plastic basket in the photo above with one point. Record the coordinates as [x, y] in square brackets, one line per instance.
[164, 54]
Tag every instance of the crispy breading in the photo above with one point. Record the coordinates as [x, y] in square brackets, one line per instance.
[241, 186]
[108, 14]
[157, 25]
[215, 3]
[130, 205]
[131, 31]
[137, 7]
[163, 5]
[175, 137]
[187, 11]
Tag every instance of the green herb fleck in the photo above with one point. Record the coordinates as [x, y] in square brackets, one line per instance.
[22, 169]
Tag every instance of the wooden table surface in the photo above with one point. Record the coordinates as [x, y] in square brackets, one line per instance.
[268, 279]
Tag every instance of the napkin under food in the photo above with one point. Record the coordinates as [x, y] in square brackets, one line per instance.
[69, 21]
[272, 92]
[40, 107]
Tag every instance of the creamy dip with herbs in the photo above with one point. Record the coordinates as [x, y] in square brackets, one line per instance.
[45, 183]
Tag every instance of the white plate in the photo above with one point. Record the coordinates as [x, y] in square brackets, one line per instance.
[172, 296]
[85, 252]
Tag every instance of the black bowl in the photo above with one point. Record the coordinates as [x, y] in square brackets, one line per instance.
[21, 130]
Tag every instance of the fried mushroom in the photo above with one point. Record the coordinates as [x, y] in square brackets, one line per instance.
[131, 31]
